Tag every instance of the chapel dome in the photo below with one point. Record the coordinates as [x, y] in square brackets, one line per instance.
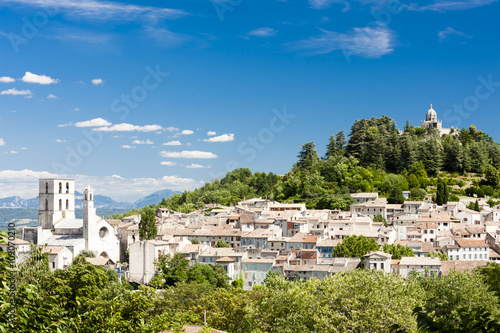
[431, 115]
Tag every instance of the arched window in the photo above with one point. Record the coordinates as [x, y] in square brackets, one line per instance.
[67, 204]
[46, 204]
[85, 196]
[60, 187]
[90, 196]
[67, 188]
[60, 204]
[46, 187]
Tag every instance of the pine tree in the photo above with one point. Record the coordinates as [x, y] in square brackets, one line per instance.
[147, 226]
[308, 156]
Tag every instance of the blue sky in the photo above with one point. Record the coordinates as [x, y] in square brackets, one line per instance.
[134, 97]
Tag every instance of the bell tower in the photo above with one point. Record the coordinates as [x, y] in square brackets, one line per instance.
[56, 201]
[89, 215]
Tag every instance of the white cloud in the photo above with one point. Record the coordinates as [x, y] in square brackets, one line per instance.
[6, 79]
[103, 10]
[76, 109]
[173, 143]
[450, 5]
[365, 42]
[221, 138]
[197, 166]
[24, 183]
[2, 142]
[116, 176]
[188, 154]
[211, 133]
[128, 147]
[124, 127]
[40, 79]
[24, 148]
[16, 92]
[168, 163]
[142, 142]
[262, 32]
[97, 82]
[187, 132]
[65, 125]
[50, 96]
[11, 152]
[172, 129]
[60, 141]
[96, 122]
[448, 32]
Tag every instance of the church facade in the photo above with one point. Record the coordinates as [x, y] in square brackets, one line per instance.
[57, 225]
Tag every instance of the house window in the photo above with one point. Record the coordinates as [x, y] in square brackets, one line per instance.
[67, 188]
[60, 187]
[246, 275]
[53, 264]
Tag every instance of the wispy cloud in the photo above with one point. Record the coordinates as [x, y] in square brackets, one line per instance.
[142, 142]
[262, 32]
[364, 42]
[124, 127]
[168, 163]
[2, 142]
[127, 147]
[104, 10]
[211, 133]
[97, 82]
[39, 79]
[188, 154]
[165, 37]
[187, 132]
[173, 143]
[16, 92]
[447, 5]
[221, 138]
[50, 96]
[449, 32]
[7, 79]
[60, 140]
[96, 122]
[24, 183]
[197, 166]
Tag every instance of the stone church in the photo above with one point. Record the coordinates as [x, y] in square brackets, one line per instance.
[432, 122]
[57, 225]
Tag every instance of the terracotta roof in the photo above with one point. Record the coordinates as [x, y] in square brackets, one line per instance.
[471, 243]
[225, 259]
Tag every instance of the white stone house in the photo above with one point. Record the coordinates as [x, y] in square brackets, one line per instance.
[255, 271]
[470, 249]
[421, 265]
[379, 261]
[59, 257]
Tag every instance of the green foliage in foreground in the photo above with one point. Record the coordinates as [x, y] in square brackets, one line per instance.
[85, 298]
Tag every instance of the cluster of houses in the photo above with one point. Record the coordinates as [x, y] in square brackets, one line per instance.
[265, 235]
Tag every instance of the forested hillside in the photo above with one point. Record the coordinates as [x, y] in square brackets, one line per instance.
[375, 156]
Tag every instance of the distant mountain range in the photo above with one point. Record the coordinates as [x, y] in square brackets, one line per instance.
[101, 201]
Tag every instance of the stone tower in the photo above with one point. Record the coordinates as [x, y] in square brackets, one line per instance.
[89, 216]
[56, 201]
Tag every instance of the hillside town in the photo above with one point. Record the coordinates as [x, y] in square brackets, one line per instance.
[261, 236]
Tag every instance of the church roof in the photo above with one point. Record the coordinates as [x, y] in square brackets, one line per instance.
[431, 115]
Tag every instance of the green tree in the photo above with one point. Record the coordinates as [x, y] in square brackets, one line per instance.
[396, 196]
[355, 246]
[398, 251]
[492, 175]
[308, 156]
[147, 226]
[195, 241]
[442, 256]
[221, 243]
[209, 274]
[171, 270]
[442, 194]
[379, 218]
